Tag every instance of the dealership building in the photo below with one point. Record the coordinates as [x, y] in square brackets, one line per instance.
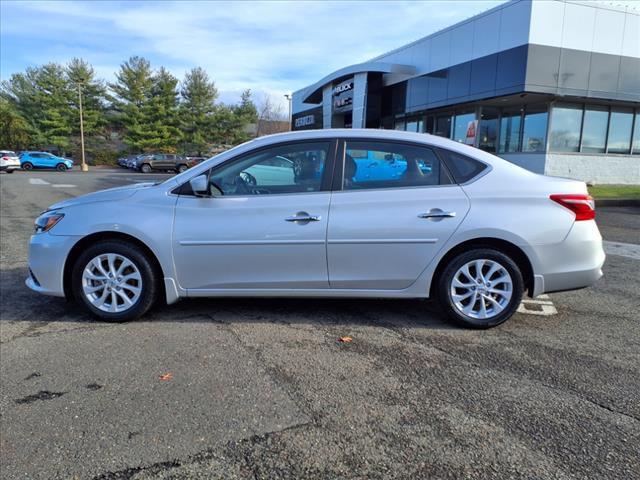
[553, 86]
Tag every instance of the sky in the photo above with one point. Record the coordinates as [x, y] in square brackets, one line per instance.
[273, 47]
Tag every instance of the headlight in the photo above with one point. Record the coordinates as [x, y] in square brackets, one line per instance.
[47, 220]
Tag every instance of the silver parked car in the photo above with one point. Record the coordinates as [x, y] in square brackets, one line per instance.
[331, 213]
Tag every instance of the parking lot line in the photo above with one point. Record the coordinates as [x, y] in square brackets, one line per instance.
[63, 185]
[542, 305]
[38, 181]
[628, 250]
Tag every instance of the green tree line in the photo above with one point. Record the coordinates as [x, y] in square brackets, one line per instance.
[143, 110]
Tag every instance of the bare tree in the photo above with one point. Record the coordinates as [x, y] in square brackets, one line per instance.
[271, 118]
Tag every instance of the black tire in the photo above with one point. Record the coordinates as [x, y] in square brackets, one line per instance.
[61, 167]
[145, 168]
[27, 166]
[149, 290]
[446, 278]
[181, 168]
[9, 170]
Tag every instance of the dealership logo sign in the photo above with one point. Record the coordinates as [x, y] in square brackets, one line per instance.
[343, 87]
[305, 121]
[343, 102]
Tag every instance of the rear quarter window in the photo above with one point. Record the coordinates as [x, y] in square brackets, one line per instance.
[462, 167]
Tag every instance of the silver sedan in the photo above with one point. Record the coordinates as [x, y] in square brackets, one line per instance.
[332, 213]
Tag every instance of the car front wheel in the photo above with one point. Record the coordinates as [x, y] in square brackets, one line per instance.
[61, 167]
[480, 288]
[145, 168]
[115, 281]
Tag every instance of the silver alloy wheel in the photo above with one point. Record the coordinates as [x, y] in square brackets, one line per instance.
[112, 283]
[481, 289]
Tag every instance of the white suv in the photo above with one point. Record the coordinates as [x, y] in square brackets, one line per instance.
[9, 161]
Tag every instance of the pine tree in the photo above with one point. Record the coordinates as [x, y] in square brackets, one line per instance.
[15, 132]
[246, 114]
[162, 112]
[133, 93]
[198, 111]
[80, 74]
[42, 96]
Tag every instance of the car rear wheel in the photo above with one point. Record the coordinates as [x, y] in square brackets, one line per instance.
[115, 281]
[480, 288]
[145, 168]
[27, 166]
[61, 167]
[182, 168]
[9, 170]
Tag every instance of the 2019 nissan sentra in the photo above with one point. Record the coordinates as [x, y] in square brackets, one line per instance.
[293, 215]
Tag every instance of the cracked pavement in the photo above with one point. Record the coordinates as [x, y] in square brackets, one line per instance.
[261, 388]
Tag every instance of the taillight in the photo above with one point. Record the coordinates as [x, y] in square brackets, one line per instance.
[581, 204]
[5, 158]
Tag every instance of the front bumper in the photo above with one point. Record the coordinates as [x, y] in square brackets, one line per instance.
[47, 256]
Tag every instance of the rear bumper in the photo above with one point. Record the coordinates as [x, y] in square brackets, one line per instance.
[15, 166]
[572, 264]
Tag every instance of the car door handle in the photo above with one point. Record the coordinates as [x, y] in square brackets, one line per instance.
[437, 213]
[303, 217]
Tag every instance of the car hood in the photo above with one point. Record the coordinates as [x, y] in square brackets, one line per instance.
[109, 195]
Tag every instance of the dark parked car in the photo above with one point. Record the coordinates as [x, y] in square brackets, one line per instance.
[162, 161]
[192, 161]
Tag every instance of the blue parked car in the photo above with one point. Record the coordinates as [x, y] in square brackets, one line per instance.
[31, 160]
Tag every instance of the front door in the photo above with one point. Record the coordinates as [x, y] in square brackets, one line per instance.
[393, 213]
[263, 228]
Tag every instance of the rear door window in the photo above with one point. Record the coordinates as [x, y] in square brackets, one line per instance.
[372, 165]
[462, 167]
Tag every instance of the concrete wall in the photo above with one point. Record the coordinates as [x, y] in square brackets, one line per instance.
[595, 168]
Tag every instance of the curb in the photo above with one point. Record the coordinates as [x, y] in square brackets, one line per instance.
[617, 202]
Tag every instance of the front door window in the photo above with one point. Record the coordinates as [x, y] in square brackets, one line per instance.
[297, 168]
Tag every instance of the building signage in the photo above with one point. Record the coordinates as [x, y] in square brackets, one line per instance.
[307, 120]
[343, 96]
[304, 121]
[343, 87]
[342, 102]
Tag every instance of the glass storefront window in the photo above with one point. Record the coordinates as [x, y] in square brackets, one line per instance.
[461, 126]
[566, 121]
[430, 122]
[620, 125]
[510, 126]
[594, 129]
[636, 135]
[534, 132]
[399, 125]
[443, 126]
[488, 129]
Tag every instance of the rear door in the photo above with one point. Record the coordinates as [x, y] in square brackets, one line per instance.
[393, 208]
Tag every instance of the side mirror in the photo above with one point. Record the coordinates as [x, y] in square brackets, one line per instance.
[200, 185]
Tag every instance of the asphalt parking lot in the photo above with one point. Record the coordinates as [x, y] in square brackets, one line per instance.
[246, 388]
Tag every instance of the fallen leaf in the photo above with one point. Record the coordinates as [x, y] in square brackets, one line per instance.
[345, 339]
[166, 376]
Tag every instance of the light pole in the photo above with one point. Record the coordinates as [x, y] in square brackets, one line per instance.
[289, 99]
[84, 167]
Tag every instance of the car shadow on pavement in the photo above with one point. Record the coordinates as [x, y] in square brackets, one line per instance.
[19, 304]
